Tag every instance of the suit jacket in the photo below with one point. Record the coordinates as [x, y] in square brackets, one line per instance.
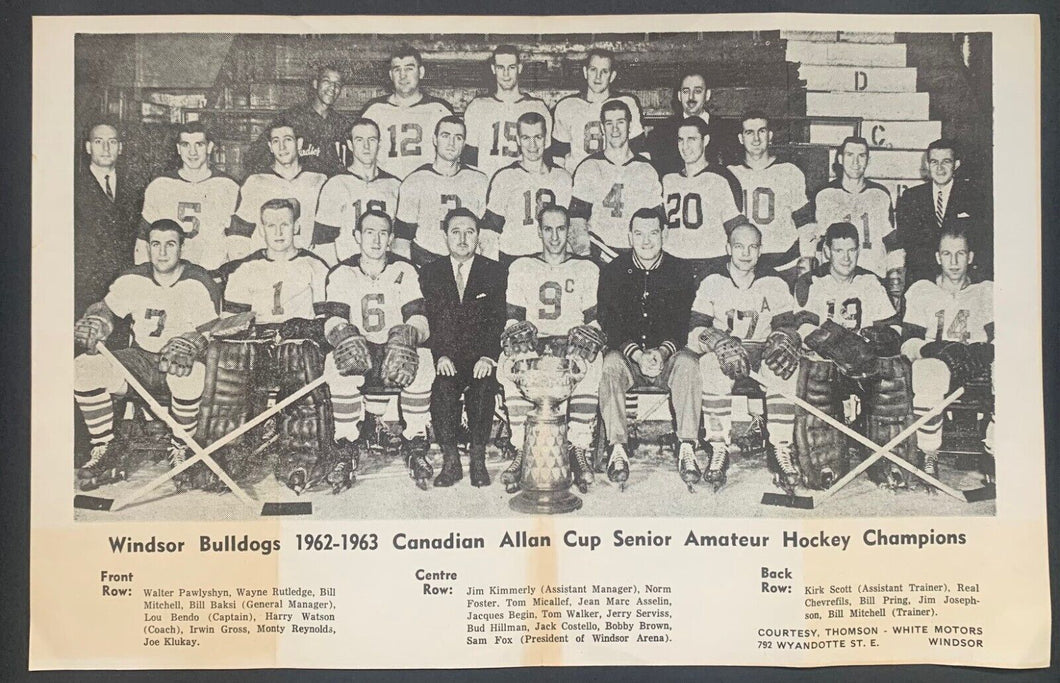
[918, 229]
[104, 233]
[470, 329]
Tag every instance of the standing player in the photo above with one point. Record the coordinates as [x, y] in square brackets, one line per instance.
[700, 202]
[851, 198]
[166, 300]
[347, 195]
[518, 193]
[773, 196]
[377, 326]
[435, 189]
[743, 318]
[578, 130]
[846, 318]
[198, 199]
[949, 325]
[407, 116]
[552, 310]
[612, 185]
[286, 180]
[492, 128]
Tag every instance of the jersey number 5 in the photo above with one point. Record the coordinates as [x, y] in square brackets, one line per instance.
[188, 213]
[372, 314]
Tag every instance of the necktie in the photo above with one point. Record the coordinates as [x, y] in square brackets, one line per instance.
[460, 280]
[106, 186]
[939, 210]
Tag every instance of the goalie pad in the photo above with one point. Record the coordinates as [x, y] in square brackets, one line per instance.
[585, 342]
[180, 353]
[783, 351]
[821, 449]
[401, 362]
[94, 326]
[228, 399]
[520, 337]
[887, 407]
[850, 352]
[306, 428]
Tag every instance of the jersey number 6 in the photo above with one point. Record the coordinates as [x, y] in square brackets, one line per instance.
[372, 314]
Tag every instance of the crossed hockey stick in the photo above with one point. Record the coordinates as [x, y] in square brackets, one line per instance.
[878, 451]
[203, 454]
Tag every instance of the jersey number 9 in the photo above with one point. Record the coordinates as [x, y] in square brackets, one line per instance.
[551, 294]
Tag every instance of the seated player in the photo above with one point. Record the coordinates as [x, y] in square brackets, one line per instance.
[949, 330]
[552, 311]
[643, 305]
[700, 202]
[743, 318]
[847, 320]
[492, 120]
[166, 300]
[376, 325]
[345, 196]
[852, 198]
[518, 192]
[281, 284]
[287, 179]
[432, 191]
[196, 197]
[773, 196]
[611, 186]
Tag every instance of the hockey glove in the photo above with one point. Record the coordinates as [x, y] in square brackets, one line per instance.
[851, 353]
[95, 326]
[519, 338]
[732, 356]
[180, 353]
[585, 342]
[401, 361]
[884, 341]
[783, 351]
[350, 350]
[954, 355]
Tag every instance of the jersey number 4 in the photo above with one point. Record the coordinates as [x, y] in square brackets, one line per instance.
[411, 137]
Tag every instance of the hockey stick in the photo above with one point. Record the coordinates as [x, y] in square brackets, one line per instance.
[878, 451]
[200, 452]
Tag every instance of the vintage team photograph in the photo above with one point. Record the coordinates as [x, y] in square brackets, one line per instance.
[426, 276]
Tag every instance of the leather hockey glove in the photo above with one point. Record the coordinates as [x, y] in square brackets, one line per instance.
[585, 342]
[732, 356]
[180, 353]
[350, 350]
[884, 341]
[401, 361]
[93, 327]
[850, 352]
[519, 338]
[783, 351]
[980, 357]
[954, 355]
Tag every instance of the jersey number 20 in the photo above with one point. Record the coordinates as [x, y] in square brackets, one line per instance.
[691, 209]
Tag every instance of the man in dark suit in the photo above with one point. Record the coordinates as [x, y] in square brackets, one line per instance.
[466, 311]
[923, 210]
[107, 206]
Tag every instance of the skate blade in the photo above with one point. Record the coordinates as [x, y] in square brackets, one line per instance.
[788, 500]
[282, 509]
[93, 502]
[988, 492]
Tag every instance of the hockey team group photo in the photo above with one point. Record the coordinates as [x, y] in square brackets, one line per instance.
[731, 274]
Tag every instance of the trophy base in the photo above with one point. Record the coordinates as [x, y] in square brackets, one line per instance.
[545, 502]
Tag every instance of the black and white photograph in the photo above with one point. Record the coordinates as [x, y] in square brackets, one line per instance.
[377, 276]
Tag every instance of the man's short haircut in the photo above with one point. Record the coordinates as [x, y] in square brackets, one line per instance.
[616, 105]
[451, 118]
[322, 68]
[956, 229]
[600, 52]
[96, 123]
[754, 114]
[375, 213]
[280, 123]
[554, 208]
[943, 143]
[743, 222]
[652, 213]
[505, 50]
[193, 127]
[692, 71]
[405, 50]
[460, 212]
[695, 122]
[290, 203]
[531, 118]
[839, 231]
[362, 121]
[166, 225]
[850, 140]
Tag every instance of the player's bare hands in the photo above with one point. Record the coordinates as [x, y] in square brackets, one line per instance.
[482, 368]
[446, 367]
[651, 363]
